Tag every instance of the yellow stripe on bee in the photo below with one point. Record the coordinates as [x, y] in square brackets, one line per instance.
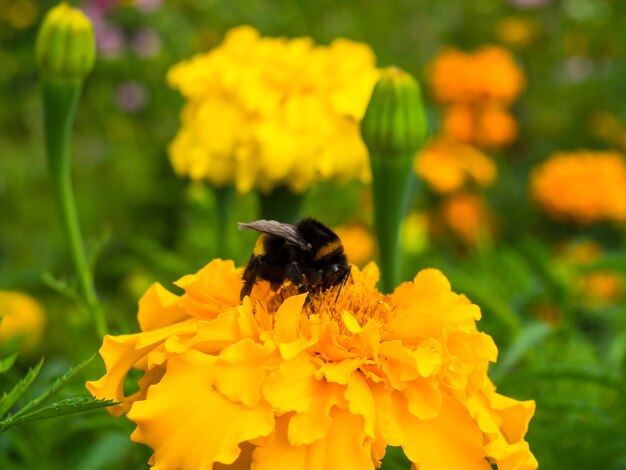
[259, 246]
[327, 249]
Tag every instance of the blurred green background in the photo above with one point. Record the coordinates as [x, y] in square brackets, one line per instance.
[147, 225]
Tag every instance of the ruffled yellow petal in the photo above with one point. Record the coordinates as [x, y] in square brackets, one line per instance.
[158, 308]
[184, 408]
[121, 353]
[292, 385]
[211, 290]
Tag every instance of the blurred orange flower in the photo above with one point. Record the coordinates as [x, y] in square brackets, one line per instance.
[313, 381]
[584, 186]
[468, 216]
[489, 74]
[358, 243]
[447, 166]
[476, 89]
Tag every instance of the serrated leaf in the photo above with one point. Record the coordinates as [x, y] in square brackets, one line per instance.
[53, 410]
[54, 388]
[9, 399]
[7, 363]
[530, 335]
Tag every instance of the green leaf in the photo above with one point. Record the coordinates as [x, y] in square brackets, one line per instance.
[53, 410]
[395, 460]
[55, 388]
[529, 336]
[9, 399]
[7, 363]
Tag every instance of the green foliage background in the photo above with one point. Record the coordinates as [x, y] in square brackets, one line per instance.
[147, 225]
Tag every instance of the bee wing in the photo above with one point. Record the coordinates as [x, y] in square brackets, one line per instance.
[272, 227]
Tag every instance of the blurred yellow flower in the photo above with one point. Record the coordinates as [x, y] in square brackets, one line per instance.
[468, 216]
[447, 166]
[414, 233]
[22, 320]
[517, 31]
[358, 243]
[282, 381]
[489, 74]
[267, 112]
[585, 186]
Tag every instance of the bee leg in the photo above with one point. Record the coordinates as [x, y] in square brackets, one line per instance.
[294, 273]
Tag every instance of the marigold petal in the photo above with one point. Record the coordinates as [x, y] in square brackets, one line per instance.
[240, 369]
[292, 385]
[212, 289]
[361, 401]
[288, 319]
[305, 428]
[175, 419]
[428, 357]
[121, 353]
[339, 372]
[423, 397]
[158, 308]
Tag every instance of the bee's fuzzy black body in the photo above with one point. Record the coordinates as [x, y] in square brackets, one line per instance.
[308, 254]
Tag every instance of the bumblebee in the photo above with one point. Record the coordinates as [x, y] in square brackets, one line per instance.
[308, 254]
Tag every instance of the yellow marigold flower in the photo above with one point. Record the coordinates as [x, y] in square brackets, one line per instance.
[583, 186]
[22, 320]
[489, 74]
[358, 243]
[517, 31]
[468, 216]
[282, 381]
[267, 112]
[447, 166]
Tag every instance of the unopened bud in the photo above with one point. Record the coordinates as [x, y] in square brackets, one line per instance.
[66, 48]
[394, 122]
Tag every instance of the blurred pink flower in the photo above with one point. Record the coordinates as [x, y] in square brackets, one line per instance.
[148, 5]
[146, 43]
[529, 3]
[131, 96]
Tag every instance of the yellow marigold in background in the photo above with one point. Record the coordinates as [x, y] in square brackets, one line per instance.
[517, 31]
[22, 320]
[328, 382]
[448, 166]
[489, 74]
[267, 112]
[358, 243]
[468, 216]
[584, 186]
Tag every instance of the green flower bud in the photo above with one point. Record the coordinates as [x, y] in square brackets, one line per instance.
[394, 122]
[66, 48]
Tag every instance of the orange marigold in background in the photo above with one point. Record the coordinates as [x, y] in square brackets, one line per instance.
[468, 216]
[488, 75]
[22, 320]
[313, 381]
[358, 243]
[447, 166]
[584, 186]
[476, 90]
[596, 287]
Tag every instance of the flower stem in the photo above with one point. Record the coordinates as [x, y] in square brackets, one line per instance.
[391, 188]
[60, 101]
[282, 205]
